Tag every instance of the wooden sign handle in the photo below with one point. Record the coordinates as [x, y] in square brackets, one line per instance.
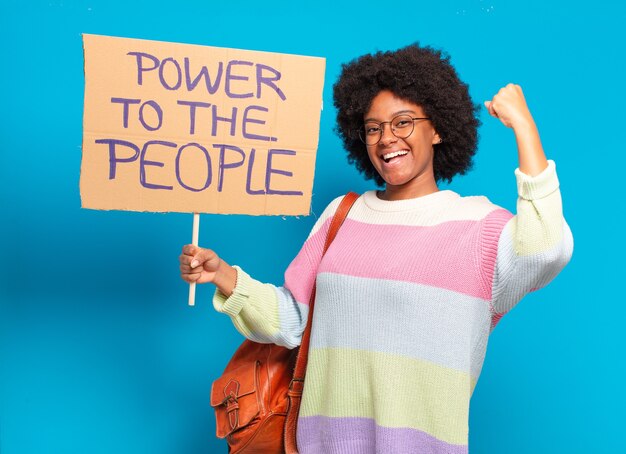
[194, 241]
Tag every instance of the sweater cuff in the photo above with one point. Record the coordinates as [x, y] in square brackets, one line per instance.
[539, 186]
[233, 304]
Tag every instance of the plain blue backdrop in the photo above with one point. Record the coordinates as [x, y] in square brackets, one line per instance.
[99, 352]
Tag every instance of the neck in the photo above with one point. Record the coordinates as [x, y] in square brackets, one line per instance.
[402, 193]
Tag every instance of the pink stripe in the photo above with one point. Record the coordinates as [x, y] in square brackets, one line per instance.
[446, 255]
[496, 318]
[301, 273]
[494, 223]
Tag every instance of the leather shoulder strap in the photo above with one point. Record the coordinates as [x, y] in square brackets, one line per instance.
[297, 383]
[338, 218]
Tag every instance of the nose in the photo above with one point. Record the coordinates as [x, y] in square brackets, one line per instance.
[388, 136]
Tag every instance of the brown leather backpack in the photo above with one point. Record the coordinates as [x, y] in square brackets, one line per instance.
[257, 398]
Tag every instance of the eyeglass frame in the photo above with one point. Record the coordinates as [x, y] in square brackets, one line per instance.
[361, 130]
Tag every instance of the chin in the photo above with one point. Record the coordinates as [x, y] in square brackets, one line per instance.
[395, 182]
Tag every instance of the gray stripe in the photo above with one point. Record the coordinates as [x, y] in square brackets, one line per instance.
[428, 323]
[274, 317]
[292, 316]
[515, 275]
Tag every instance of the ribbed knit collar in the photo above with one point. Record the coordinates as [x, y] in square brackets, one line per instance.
[438, 198]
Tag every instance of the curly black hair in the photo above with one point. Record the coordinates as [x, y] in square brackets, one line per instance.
[421, 75]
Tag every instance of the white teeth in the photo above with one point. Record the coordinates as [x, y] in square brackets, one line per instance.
[388, 156]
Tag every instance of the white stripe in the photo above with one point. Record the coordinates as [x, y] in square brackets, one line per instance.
[428, 323]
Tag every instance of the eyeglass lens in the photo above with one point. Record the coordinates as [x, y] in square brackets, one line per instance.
[401, 127]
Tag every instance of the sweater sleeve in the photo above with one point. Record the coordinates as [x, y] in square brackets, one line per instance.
[269, 314]
[534, 245]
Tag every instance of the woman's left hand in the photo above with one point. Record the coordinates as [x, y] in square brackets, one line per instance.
[509, 106]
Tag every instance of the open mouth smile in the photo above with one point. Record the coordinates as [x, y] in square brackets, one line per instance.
[387, 157]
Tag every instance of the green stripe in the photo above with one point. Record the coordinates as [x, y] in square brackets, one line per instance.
[253, 306]
[394, 390]
[538, 226]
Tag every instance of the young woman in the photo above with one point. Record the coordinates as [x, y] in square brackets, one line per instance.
[417, 278]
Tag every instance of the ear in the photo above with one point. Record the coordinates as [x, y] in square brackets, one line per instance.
[436, 139]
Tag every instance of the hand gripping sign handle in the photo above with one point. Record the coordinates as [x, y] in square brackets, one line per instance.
[194, 241]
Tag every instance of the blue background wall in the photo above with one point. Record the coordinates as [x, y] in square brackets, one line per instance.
[100, 353]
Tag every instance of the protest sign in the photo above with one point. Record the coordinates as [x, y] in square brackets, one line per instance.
[188, 128]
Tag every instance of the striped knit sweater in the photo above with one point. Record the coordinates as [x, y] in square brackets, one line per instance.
[407, 296]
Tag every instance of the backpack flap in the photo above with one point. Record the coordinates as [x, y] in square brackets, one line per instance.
[235, 399]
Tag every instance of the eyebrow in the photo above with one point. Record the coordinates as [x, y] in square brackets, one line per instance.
[393, 115]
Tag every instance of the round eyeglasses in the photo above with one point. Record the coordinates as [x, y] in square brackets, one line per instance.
[401, 126]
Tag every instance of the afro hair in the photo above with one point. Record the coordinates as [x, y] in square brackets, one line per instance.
[423, 76]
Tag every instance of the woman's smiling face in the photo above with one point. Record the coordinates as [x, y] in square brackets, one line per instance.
[406, 164]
